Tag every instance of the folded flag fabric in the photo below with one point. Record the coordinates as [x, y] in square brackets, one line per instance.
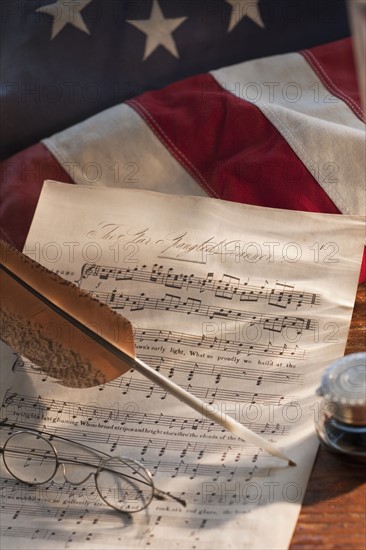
[65, 60]
[285, 131]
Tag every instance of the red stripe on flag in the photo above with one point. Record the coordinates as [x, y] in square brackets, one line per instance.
[335, 66]
[22, 177]
[230, 147]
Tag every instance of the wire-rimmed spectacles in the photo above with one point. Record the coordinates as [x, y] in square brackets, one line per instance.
[125, 484]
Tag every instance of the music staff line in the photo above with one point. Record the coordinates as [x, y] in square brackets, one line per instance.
[192, 368]
[213, 471]
[76, 412]
[97, 513]
[143, 443]
[128, 383]
[215, 343]
[192, 306]
[95, 516]
[30, 533]
[94, 513]
[83, 536]
[219, 372]
[56, 492]
[282, 295]
[210, 394]
[173, 468]
[54, 489]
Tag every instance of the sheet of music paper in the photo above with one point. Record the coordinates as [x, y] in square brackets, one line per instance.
[242, 306]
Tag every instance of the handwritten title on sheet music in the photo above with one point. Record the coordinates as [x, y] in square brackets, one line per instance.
[125, 244]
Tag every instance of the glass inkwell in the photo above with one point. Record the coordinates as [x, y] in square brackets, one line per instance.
[341, 425]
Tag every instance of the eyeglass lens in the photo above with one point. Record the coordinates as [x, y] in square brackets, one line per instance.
[124, 484]
[30, 458]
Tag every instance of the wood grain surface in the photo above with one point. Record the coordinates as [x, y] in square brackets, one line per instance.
[333, 511]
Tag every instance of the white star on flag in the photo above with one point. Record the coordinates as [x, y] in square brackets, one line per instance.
[244, 8]
[158, 31]
[64, 12]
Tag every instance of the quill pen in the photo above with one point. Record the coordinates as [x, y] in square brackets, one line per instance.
[78, 340]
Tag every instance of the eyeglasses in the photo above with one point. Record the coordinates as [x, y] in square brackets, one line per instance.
[122, 483]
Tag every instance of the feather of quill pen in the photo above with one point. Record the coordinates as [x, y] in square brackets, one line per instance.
[78, 340]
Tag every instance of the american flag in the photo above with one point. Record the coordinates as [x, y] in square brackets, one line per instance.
[64, 60]
[252, 123]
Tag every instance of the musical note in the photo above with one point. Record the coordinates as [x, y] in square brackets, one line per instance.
[250, 295]
[9, 398]
[218, 378]
[193, 305]
[174, 281]
[205, 283]
[169, 302]
[113, 446]
[282, 295]
[137, 302]
[251, 473]
[227, 286]
[163, 449]
[145, 447]
[156, 273]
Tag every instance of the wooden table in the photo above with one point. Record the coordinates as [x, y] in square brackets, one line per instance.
[333, 511]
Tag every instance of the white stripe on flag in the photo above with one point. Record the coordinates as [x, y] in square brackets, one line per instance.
[116, 148]
[321, 129]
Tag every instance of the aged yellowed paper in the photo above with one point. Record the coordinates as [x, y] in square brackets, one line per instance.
[242, 306]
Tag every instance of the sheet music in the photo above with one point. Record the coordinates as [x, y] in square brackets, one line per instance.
[242, 306]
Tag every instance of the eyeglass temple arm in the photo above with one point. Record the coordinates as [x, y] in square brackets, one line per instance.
[163, 495]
